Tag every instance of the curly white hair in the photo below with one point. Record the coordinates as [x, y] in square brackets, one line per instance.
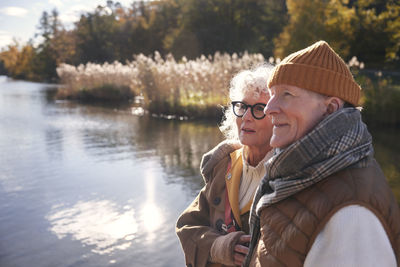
[251, 82]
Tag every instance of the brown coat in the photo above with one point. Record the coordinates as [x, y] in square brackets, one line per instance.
[289, 228]
[200, 224]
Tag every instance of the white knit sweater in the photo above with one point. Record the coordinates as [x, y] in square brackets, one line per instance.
[353, 236]
[251, 177]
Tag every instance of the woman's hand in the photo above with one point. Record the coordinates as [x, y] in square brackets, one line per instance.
[225, 248]
[241, 249]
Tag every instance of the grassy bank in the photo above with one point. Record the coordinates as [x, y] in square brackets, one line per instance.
[197, 88]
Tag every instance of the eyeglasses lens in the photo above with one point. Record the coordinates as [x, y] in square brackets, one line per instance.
[258, 111]
[239, 109]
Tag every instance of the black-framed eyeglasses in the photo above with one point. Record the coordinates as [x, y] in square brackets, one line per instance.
[257, 110]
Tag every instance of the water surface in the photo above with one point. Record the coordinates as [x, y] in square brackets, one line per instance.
[92, 186]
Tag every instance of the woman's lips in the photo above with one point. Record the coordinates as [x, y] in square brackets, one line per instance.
[248, 130]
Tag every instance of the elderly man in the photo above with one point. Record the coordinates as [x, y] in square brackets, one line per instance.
[324, 200]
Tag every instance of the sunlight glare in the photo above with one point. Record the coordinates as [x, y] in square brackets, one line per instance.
[95, 223]
[152, 217]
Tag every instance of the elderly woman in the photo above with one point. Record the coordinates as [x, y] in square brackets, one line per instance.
[214, 229]
[324, 200]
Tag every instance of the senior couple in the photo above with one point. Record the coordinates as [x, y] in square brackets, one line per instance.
[295, 183]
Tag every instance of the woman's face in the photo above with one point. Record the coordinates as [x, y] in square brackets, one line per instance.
[294, 112]
[253, 132]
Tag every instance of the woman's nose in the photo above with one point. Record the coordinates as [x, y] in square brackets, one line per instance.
[247, 114]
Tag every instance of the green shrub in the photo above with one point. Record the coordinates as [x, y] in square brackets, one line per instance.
[381, 100]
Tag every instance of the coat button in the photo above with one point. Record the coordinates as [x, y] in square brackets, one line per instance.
[218, 224]
[217, 200]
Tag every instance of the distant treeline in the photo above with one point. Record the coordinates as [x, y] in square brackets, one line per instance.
[367, 29]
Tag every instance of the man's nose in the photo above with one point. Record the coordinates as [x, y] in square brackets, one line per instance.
[272, 106]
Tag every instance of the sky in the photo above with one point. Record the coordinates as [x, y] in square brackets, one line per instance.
[19, 19]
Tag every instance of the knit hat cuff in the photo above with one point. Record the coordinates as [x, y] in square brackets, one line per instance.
[319, 80]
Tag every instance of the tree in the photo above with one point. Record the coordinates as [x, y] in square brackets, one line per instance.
[393, 30]
[147, 28]
[95, 34]
[370, 35]
[3, 69]
[207, 26]
[17, 61]
[305, 26]
[367, 29]
[46, 58]
[266, 19]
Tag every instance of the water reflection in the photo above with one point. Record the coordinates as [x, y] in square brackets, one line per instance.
[54, 145]
[152, 219]
[8, 182]
[117, 135]
[99, 224]
[151, 216]
[179, 147]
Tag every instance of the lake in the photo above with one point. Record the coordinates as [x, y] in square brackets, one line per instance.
[85, 185]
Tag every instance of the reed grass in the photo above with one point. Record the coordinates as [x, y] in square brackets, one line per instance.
[191, 88]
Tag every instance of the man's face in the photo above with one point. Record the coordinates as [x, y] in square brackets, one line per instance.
[294, 112]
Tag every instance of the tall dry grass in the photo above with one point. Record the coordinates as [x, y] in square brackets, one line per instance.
[192, 88]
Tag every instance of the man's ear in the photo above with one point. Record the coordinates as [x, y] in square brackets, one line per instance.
[333, 104]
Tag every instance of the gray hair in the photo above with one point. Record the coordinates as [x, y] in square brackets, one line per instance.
[251, 82]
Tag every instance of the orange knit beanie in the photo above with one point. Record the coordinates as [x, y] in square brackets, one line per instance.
[317, 68]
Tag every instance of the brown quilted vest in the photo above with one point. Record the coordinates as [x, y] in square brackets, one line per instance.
[289, 228]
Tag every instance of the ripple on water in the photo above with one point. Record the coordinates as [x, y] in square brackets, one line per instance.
[99, 224]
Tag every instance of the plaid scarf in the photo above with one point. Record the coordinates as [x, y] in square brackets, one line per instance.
[337, 142]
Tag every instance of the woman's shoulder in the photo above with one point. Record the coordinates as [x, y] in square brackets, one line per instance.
[215, 156]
